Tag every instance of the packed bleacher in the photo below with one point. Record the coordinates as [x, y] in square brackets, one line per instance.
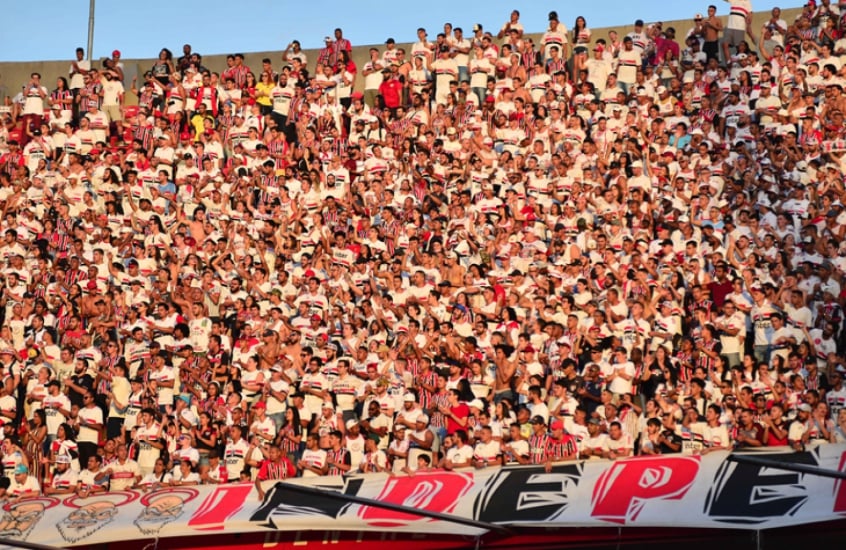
[484, 249]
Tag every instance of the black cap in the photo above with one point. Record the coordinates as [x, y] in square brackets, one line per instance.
[390, 41]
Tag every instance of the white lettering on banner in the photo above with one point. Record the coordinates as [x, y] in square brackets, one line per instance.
[670, 490]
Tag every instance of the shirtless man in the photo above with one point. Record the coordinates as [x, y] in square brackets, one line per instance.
[197, 225]
[268, 350]
[452, 271]
[711, 26]
[505, 371]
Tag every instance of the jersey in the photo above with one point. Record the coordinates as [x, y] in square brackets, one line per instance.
[233, 457]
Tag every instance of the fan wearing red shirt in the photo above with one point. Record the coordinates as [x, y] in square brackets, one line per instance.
[391, 90]
[455, 412]
[560, 446]
[275, 467]
[14, 159]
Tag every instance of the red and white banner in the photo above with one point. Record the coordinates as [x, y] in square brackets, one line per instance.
[671, 490]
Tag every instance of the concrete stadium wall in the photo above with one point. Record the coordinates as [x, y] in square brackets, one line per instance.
[13, 75]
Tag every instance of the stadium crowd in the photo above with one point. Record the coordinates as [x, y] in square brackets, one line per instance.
[486, 249]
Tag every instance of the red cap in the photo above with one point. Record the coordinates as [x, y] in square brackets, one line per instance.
[115, 53]
[185, 135]
[260, 405]
[91, 285]
[557, 425]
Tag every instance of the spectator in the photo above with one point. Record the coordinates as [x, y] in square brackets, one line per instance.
[459, 453]
[90, 424]
[89, 483]
[23, 485]
[739, 19]
[64, 479]
[374, 459]
[618, 444]
[275, 467]
[313, 462]
[122, 473]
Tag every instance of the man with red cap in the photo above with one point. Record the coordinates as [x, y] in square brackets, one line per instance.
[116, 64]
[263, 426]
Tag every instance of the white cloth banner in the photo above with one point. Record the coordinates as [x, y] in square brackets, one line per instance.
[670, 490]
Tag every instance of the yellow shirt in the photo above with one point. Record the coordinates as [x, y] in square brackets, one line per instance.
[263, 90]
[197, 122]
